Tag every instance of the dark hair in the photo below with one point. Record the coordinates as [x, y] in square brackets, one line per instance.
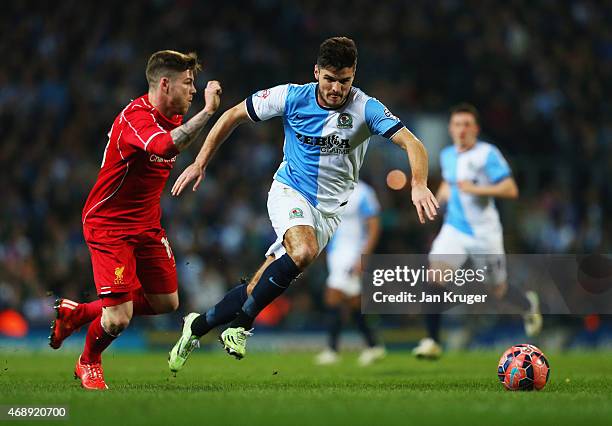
[167, 62]
[337, 53]
[466, 107]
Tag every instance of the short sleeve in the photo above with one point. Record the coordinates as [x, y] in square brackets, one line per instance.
[146, 134]
[380, 120]
[368, 204]
[267, 103]
[496, 166]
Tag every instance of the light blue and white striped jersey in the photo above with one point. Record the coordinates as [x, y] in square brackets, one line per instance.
[324, 148]
[483, 164]
[351, 235]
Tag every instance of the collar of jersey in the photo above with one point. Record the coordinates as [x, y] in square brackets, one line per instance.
[465, 152]
[176, 120]
[316, 90]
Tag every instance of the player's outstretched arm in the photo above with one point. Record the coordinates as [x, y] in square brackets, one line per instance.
[185, 134]
[424, 201]
[373, 234]
[506, 188]
[443, 193]
[373, 230]
[224, 127]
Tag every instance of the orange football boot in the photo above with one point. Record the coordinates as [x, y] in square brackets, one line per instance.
[91, 375]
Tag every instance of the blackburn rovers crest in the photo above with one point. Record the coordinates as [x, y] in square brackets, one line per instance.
[345, 121]
[295, 213]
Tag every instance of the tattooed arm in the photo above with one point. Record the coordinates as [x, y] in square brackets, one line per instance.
[184, 135]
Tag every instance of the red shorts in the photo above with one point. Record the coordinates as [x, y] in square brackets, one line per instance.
[123, 261]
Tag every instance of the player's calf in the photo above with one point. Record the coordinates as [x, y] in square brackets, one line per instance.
[162, 303]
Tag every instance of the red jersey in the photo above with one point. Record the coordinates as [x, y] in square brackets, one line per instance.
[136, 165]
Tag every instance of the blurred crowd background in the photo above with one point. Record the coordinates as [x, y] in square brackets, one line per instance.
[540, 73]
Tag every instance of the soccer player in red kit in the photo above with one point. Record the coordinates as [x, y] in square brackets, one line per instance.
[133, 265]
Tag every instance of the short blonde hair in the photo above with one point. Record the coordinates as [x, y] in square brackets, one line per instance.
[165, 63]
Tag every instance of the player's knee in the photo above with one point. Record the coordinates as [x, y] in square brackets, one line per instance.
[115, 324]
[115, 319]
[303, 255]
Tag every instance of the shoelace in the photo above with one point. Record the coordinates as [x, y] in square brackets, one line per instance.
[194, 344]
[242, 335]
[190, 347]
[95, 372]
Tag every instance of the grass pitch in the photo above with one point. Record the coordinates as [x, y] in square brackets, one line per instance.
[288, 389]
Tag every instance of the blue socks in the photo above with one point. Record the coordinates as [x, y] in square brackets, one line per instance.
[335, 325]
[223, 312]
[432, 324]
[364, 328]
[274, 280]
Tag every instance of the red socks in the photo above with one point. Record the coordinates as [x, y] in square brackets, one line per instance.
[96, 341]
[88, 311]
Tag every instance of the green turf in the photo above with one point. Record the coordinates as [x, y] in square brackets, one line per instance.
[288, 389]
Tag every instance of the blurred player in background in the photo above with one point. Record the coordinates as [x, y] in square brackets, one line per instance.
[133, 265]
[357, 235]
[474, 173]
[327, 127]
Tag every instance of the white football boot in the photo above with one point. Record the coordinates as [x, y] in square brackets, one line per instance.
[532, 319]
[370, 355]
[427, 349]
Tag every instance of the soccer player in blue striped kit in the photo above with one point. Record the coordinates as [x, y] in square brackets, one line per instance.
[356, 236]
[327, 126]
[474, 172]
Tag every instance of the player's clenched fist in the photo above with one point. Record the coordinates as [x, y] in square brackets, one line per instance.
[212, 96]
